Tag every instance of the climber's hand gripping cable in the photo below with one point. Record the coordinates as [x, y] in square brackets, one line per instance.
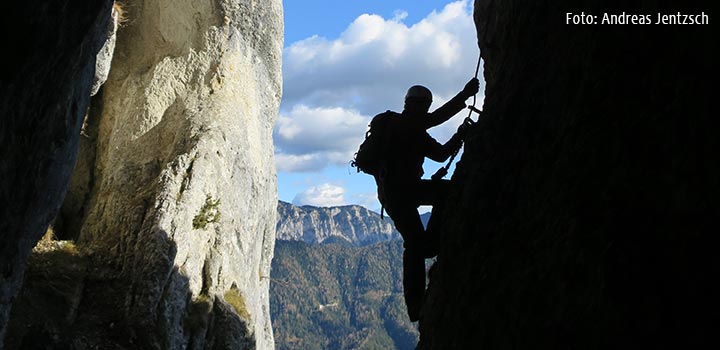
[471, 89]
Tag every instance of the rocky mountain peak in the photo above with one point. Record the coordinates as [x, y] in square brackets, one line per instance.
[352, 223]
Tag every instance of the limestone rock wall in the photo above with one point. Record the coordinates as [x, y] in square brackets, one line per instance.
[585, 202]
[173, 201]
[183, 190]
[49, 50]
[103, 59]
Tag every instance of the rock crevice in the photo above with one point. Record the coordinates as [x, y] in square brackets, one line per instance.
[48, 70]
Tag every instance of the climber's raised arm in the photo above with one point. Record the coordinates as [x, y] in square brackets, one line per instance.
[441, 153]
[452, 107]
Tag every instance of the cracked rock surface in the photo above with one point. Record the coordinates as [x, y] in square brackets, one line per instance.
[174, 198]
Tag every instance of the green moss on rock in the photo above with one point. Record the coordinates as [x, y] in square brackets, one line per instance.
[209, 213]
[237, 301]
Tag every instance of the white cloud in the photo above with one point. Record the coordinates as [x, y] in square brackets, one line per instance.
[309, 138]
[325, 195]
[308, 129]
[299, 163]
[333, 86]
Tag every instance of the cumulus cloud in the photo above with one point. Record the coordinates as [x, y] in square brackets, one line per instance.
[332, 87]
[325, 195]
[299, 163]
[317, 136]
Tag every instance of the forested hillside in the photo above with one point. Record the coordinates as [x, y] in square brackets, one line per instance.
[338, 296]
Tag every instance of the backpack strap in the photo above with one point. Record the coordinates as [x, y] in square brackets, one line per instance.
[380, 181]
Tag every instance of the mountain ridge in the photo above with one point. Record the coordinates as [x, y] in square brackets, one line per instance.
[315, 225]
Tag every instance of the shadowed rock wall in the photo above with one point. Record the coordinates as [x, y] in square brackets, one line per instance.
[584, 204]
[49, 50]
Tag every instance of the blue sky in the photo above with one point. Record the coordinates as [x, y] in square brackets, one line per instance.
[344, 62]
[305, 18]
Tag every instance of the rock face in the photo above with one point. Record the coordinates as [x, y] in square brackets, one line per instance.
[582, 209]
[104, 57]
[49, 50]
[174, 199]
[184, 188]
[313, 225]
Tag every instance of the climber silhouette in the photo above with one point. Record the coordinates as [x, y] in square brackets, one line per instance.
[400, 187]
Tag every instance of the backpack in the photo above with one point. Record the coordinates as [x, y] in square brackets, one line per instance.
[372, 155]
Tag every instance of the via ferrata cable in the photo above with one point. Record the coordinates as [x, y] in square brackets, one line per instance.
[440, 173]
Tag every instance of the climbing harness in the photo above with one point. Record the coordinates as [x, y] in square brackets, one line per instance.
[440, 173]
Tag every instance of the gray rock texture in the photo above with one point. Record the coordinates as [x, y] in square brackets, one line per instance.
[173, 204]
[185, 130]
[584, 207]
[49, 50]
[104, 57]
[352, 223]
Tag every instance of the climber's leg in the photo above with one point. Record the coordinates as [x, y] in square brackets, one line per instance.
[413, 282]
[433, 192]
[407, 222]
